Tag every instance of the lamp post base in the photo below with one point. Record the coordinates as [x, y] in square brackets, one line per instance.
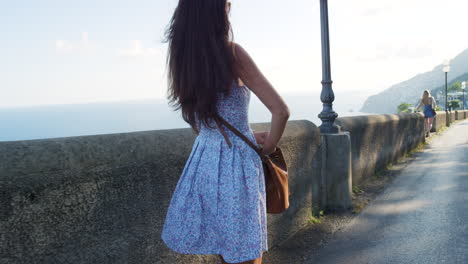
[448, 117]
[328, 125]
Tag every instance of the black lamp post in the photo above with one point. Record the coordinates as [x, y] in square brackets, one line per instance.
[327, 115]
[463, 90]
[446, 69]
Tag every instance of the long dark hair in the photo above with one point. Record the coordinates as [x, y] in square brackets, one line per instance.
[200, 59]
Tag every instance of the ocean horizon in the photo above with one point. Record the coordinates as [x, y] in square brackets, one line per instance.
[56, 121]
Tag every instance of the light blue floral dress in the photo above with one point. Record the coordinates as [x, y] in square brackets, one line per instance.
[218, 206]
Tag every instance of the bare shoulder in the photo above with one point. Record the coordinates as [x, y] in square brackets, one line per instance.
[253, 78]
[236, 46]
[241, 55]
[245, 65]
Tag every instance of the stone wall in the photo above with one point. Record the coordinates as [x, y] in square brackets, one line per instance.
[461, 114]
[377, 140]
[301, 147]
[453, 117]
[103, 199]
[440, 121]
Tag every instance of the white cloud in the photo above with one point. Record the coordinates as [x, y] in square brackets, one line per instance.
[67, 46]
[138, 50]
[63, 45]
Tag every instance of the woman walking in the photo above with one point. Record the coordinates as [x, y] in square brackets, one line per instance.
[218, 206]
[429, 113]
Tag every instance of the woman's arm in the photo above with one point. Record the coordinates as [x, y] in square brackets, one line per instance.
[434, 103]
[253, 78]
[419, 105]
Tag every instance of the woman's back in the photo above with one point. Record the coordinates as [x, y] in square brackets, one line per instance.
[218, 206]
[427, 101]
[233, 108]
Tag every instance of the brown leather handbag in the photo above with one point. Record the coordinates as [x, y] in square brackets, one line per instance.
[275, 171]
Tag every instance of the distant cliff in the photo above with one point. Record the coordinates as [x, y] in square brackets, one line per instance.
[409, 91]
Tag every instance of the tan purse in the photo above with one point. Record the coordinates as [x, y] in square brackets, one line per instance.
[274, 168]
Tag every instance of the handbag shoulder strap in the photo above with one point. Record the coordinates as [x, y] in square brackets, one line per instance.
[223, 133]
[239, 134]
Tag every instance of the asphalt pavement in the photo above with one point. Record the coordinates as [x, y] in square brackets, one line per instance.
[422, 217]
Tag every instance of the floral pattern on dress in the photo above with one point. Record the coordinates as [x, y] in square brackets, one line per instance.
[218, 206]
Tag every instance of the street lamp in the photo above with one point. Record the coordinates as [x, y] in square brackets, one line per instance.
[463, 90]
[327, 97]
[446, 69]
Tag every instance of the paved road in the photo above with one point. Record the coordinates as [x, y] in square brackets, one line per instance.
[422, 217]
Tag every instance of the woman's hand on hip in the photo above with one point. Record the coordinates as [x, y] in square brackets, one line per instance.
[261, 137]
[268, 149]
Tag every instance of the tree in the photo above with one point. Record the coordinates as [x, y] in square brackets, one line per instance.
[454, 104]
[455, 87]
[403, 107]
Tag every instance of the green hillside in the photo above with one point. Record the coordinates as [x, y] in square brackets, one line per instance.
[460, 78]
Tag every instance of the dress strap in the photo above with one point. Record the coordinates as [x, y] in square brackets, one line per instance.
[239, 134]
[223, 133]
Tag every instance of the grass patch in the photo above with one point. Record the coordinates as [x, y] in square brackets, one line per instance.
[314, 215]
[358, 208]
[441, 130]
[420, 147]
[389, 167]
[356, 189]
[314, 220]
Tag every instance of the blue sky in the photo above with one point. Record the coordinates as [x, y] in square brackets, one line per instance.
[62, 52]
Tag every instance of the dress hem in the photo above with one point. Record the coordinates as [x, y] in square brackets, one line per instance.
[202, 252]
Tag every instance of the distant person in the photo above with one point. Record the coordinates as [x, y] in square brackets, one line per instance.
[218, 205]
[429, 113]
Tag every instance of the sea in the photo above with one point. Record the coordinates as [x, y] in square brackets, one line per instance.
[56, 121]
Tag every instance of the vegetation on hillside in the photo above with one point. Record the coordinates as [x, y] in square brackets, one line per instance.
[404, 108]
[454, 86]
[455, 104]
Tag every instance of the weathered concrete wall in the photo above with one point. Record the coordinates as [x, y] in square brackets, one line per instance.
[440, 121]
[103, 199]
[453, 118]
[97, 199]
[300, 144]
[461, 114]
[377, 140]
